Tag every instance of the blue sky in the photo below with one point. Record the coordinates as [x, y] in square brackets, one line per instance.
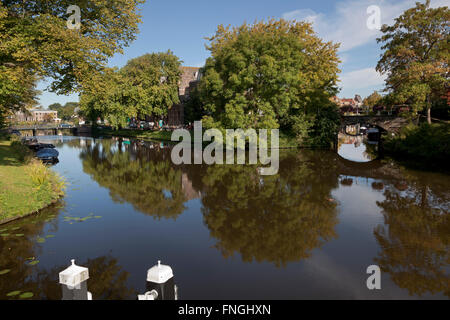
[182, 25]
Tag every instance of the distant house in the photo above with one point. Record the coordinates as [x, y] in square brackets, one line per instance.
[336, 100]
[36, 115]
[349, 102]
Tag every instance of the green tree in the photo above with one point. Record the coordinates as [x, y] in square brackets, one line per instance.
[144, 86]
[416, 56]
[64, 112]
[155, 77]
[373, 99]
[147, 181]
[267, 75]
[36, 43]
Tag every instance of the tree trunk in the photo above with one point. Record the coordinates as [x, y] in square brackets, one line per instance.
[428, 109]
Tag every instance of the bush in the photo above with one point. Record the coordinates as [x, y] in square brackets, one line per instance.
[428, 143]
[318, 130]
[42, 176]
[24, 154]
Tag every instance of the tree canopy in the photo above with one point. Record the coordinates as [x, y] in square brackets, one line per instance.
[416, 56]
[270, 74]
[147, 85]
[65, 112]
[373, 99]
[36, 43]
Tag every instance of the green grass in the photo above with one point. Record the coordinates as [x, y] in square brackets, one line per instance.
[26, 186]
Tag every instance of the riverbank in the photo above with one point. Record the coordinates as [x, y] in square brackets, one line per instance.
[26, 185]
[424, 146]
[286, 142]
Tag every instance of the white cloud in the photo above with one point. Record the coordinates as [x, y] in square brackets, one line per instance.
[360, 79]
[347, 24]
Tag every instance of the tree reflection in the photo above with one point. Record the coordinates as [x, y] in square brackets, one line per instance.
[17, 251]
[143, 178]
[107, 281]
[415, 238]
[279, 219]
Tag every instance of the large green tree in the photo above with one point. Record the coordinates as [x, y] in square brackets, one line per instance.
[156, 77]
[373, 99]
[267, 75]
[416, 55]
[147, 85]
[35, 42]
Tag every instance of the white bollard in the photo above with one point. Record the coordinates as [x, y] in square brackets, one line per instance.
[160, 280]
[74, 283]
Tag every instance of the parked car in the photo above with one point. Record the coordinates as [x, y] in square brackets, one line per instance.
[65, 125]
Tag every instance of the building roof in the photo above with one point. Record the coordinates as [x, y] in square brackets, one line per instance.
[188, 77]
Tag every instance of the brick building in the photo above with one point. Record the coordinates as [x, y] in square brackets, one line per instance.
[189, 79]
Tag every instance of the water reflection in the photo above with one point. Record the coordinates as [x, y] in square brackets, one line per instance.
[108, 280]
[139, 176]
[356, 148]
[278, 219]
[415, 238]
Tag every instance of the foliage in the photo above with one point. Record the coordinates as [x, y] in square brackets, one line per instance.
[145, 85]
[64, 112]
[156, 77]
[414, 239]
[267, 75]
[427, 143]
[36, 43]
[416, 56]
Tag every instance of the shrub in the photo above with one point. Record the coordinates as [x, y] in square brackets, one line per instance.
[38, 172]
[24, 154]
[428, 143]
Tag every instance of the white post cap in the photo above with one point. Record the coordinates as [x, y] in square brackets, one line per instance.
[73, 275]
[159, 273]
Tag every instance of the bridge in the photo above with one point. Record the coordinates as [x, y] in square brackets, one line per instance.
[391, 124]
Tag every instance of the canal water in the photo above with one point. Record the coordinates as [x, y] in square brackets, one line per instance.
[229, 233]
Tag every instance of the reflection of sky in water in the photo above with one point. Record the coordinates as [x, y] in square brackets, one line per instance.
[335, 269]
[355, 152]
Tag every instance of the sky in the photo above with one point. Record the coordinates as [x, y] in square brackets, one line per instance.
[182, 26]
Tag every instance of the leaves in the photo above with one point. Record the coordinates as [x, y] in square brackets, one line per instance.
[266, 74]
[36, 43]
[13, 293]
[5, 271]
[40, 240]
[147, 85]
[416, 56]
[26, 295]
[33, 263]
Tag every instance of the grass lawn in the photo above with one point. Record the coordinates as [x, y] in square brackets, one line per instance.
[19, 194]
